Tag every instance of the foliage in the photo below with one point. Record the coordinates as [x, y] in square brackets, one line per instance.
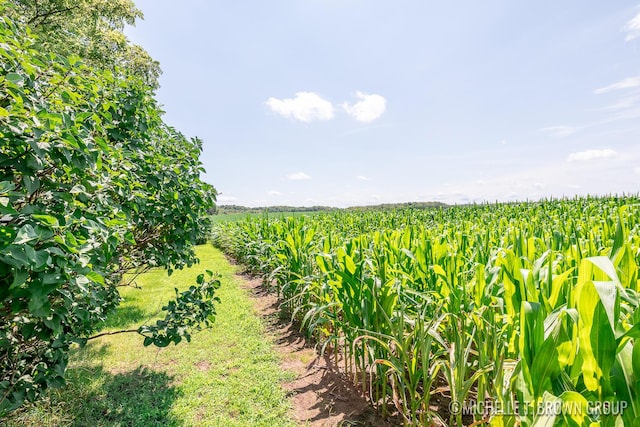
[92, 184]
[532, 309]
[191, 310]
[227, 376]
[90, 29]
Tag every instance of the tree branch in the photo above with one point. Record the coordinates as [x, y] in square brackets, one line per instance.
[103, 334]
[46, 15]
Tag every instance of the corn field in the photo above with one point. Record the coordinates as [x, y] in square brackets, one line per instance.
[520, 314]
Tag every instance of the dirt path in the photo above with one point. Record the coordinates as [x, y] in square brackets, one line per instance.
[322, 396]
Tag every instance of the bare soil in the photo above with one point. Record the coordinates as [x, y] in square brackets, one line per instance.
[321, 394]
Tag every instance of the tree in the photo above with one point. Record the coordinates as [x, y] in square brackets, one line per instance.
[93, 184]
[90, 29]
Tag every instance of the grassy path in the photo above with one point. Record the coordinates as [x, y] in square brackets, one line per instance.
[227, 376]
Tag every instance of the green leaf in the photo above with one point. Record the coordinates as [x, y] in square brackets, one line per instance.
[532, 330]
[7, 236]
[597, 338]
[624, 378]
[16, 257]
[634, 332]
[40, 259]
[349, 264]
[52, 278]
[6, 186]
[39, 304]
[574, 408]
[46, 219]
[439, 270]
[636, 359]
[14, 78]
[548, 412]
[96, 277]
[604, 264]
[31, 183]
[26, 234]
[545, 368]
[19, 277]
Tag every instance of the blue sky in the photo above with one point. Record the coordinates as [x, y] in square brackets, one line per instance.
[356, 102]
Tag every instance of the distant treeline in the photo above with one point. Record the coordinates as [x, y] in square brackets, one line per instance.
[236, 209]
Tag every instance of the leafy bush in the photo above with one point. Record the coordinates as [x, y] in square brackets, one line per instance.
[92, 184]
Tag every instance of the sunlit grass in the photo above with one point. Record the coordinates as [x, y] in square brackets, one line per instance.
[227, 376]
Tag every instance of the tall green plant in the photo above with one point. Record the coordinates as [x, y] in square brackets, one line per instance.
[533, 305]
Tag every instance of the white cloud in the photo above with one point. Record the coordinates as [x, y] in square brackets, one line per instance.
[560, 131]
[622, 104]
[637, 170]
[504, 142]
[628, 83]
[368, 109]
[274, 193]
[587, 155]
[362, 178]
[633, 28]
[298, 176]
[305, 107]
[309, 106]
[632, 113]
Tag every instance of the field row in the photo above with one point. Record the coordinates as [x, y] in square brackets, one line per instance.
[529, 309]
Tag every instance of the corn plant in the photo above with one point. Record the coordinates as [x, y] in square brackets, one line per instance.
[525, 306]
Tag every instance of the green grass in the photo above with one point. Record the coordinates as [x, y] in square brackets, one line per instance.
[232, 217]
[228, 375]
